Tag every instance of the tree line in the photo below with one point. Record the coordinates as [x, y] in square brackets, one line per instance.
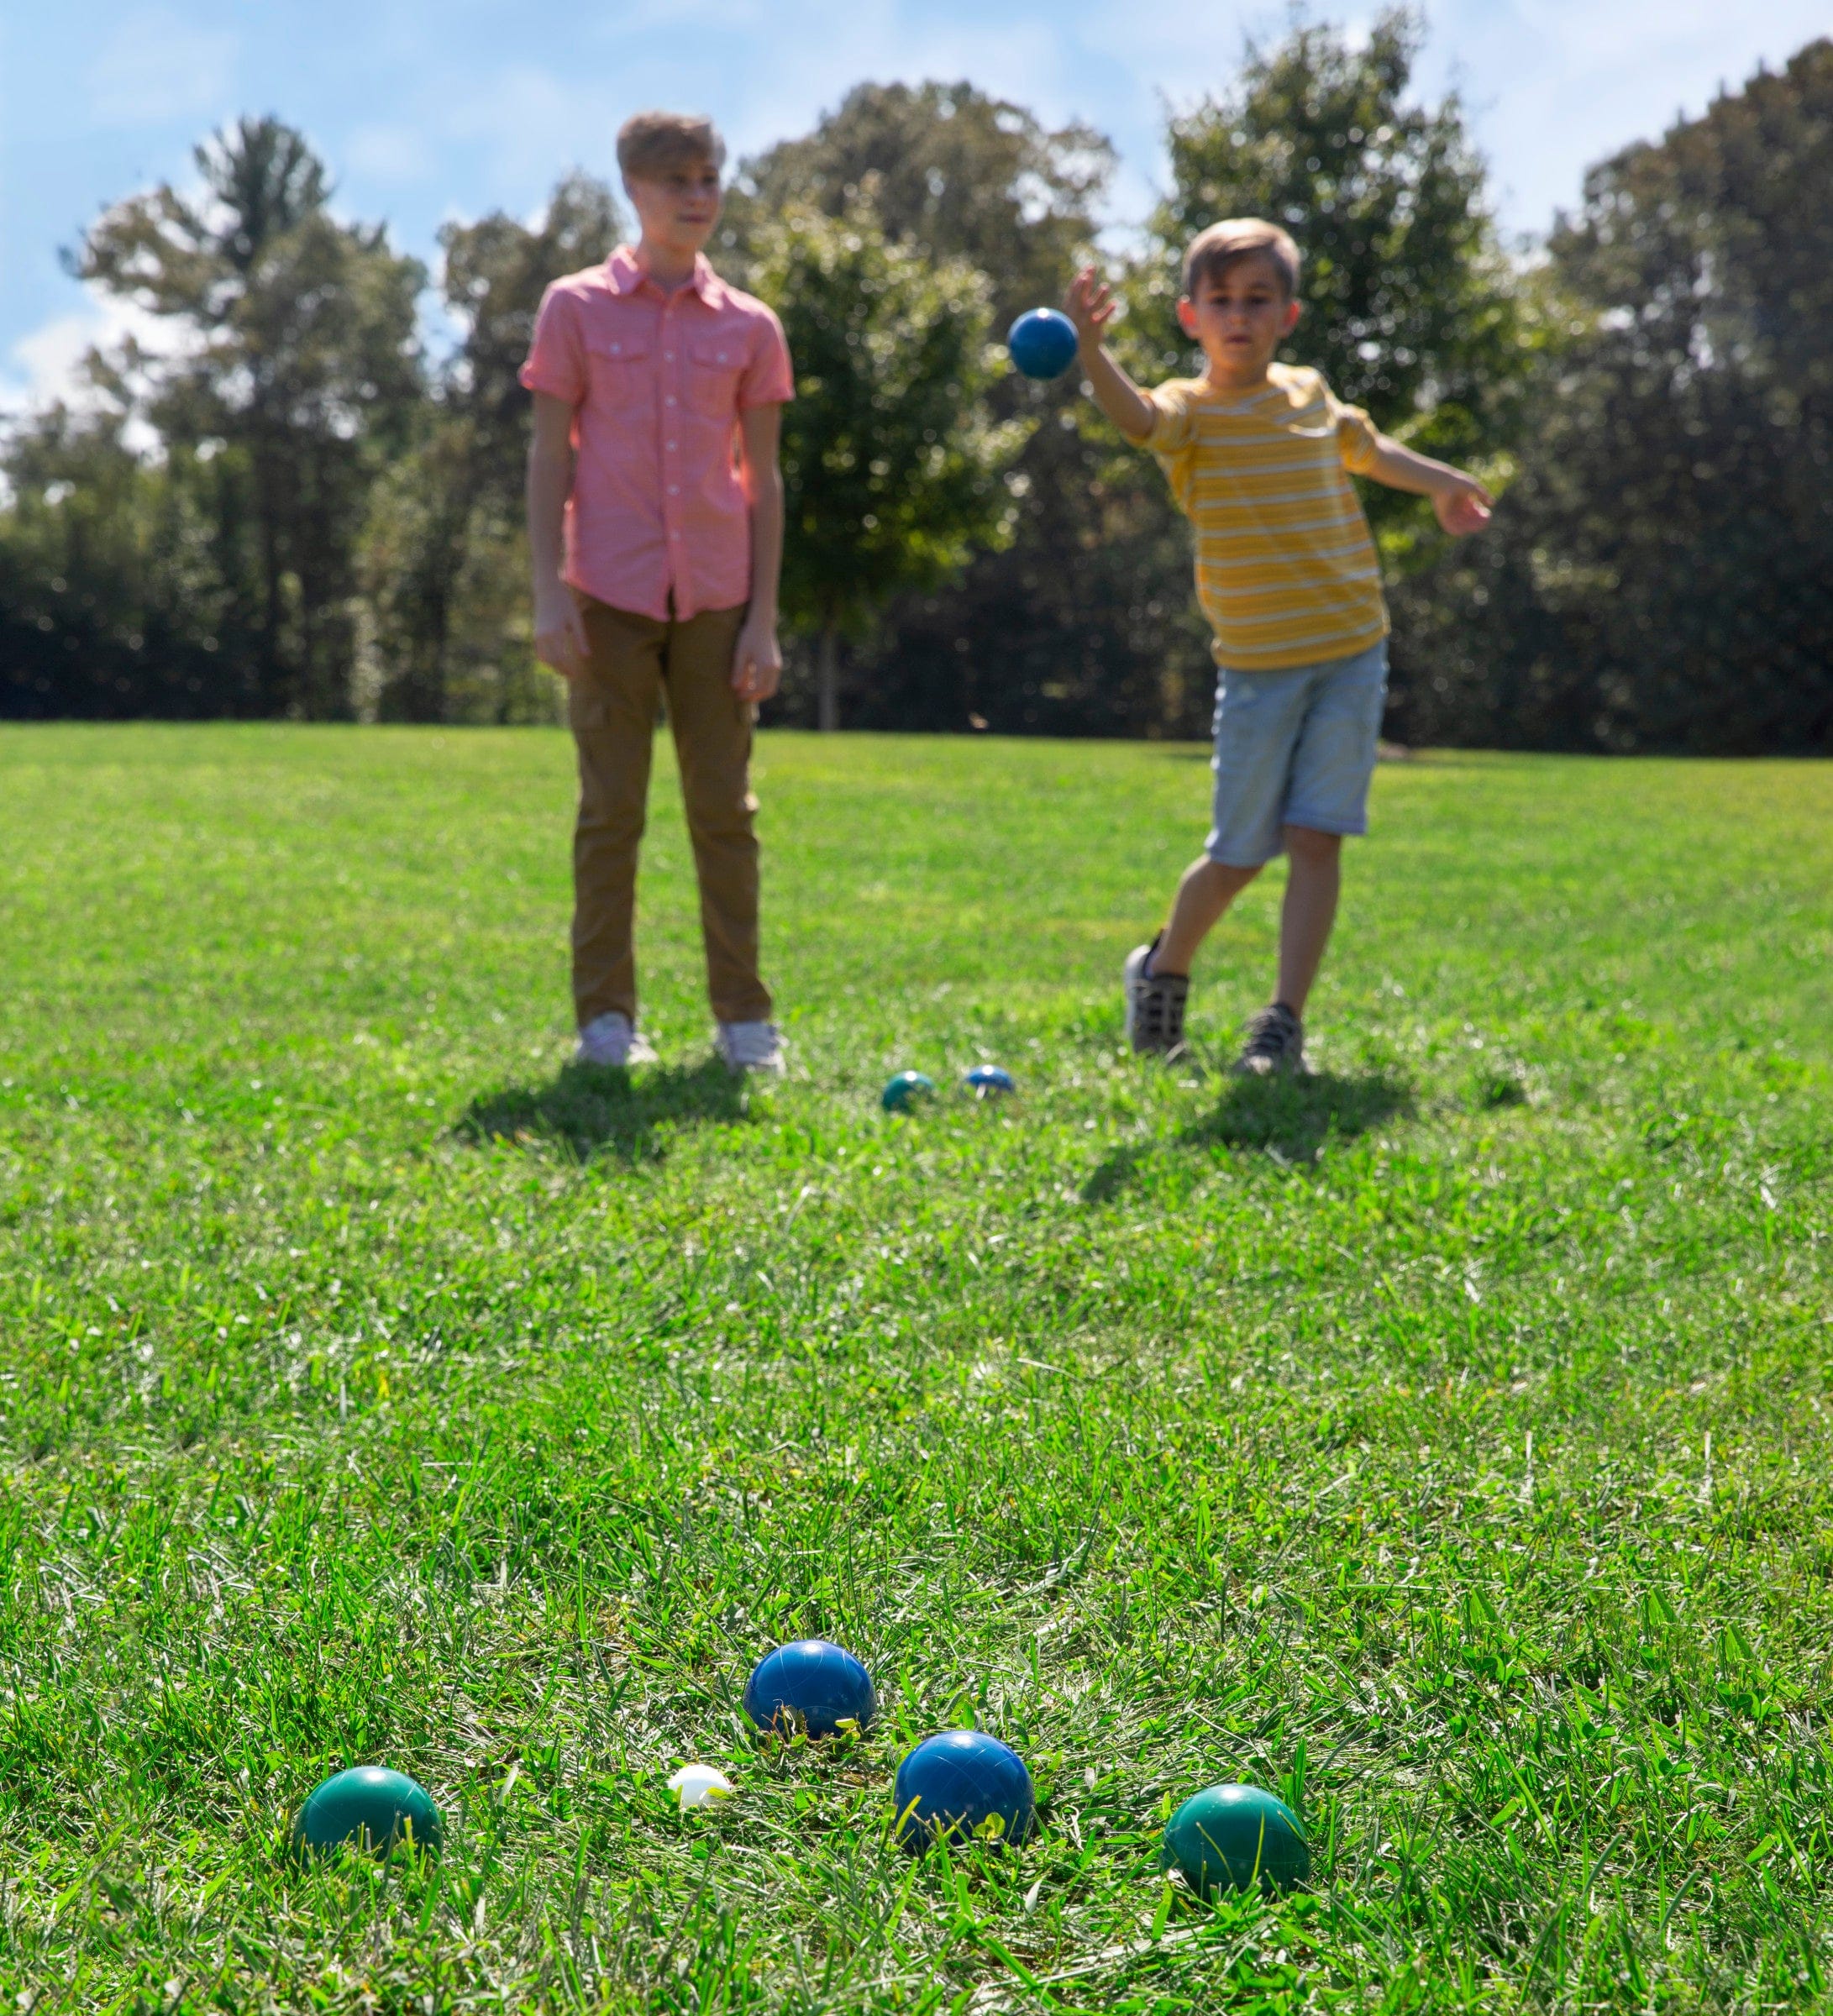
[294, 507]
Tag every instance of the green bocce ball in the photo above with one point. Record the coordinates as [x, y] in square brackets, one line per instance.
[906, 1091]
[1235, 1837]
[370, 1809]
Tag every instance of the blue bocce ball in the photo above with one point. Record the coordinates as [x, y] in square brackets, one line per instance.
[908, 1089]
[810, 1684]
[1042, 343]
[369, 1807]
[988, 1081]
[964, 1784]
[1235, 1837]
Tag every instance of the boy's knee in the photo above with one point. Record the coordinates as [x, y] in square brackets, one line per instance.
[609, 820]
[722, 818]
[1312, 847]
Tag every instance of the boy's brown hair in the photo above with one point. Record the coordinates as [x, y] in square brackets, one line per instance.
[656, 142]
[1224, 244]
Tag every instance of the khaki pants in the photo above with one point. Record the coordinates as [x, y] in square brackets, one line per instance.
[634, 660]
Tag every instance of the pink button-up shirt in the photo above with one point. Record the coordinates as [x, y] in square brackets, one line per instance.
[658, 521]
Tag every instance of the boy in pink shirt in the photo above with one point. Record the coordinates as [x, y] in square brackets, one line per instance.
[655, 519]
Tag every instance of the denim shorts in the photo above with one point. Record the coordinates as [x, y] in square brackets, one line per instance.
[1295, 748]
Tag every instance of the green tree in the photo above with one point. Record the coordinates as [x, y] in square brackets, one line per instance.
[892, 469]
[297, 356]
[1081, 622]
[111, 599]
[445, 557]
[1411, 307]
[1662, 575]
[494, 274]
[951, 169]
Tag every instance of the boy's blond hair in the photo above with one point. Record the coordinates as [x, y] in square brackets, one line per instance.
[655, 143]
[1226, 244]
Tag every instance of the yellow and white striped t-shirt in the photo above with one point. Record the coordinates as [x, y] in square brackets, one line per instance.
[1285, 569]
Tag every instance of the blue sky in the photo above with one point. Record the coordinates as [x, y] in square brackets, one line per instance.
[427, 109]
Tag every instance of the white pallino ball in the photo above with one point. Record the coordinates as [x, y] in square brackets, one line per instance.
[700, 1785]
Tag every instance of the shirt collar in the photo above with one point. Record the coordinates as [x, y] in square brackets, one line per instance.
[625, 274]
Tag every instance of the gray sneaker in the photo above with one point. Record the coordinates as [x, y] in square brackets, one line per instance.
[752, 1046]
[1275, 1045]
[1154, 1004]
[613, 1039]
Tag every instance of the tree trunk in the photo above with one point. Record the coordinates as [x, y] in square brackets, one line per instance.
[827, 680]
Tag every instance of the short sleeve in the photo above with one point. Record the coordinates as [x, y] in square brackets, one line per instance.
[556, 360]
[1357, 441]
[1172, 422]
[767, 379]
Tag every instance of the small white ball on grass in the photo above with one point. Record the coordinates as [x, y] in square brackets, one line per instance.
[700, 1785]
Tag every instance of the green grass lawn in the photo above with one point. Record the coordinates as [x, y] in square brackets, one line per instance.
[1446, 1443]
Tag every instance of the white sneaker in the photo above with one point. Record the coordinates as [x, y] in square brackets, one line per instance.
[752, 1046]
[611, 1039]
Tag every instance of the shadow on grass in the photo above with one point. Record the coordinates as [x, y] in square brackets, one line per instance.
[1288, 1119]
[1292, 1118]
[1113, 1173]
[594, 1109]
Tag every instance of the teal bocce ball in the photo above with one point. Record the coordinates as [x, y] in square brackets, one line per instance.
[1235, 1837]
[908, 1090]
[371, 1808]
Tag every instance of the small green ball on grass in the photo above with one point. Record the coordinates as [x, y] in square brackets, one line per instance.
[908, 1090]
[369, 1807]
[1235, 1837]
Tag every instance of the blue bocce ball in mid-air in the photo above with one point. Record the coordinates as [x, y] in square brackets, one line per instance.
[810, 1685]
[908, 1089]
[964, 1784]
[369, 1807]
[1235, 1837]
[988, 1081]
[1041, 342]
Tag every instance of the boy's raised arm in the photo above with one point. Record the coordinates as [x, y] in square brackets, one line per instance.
[1090, 305]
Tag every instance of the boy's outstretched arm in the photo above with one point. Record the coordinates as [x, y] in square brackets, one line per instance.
[1090, 305]
[1461, 502]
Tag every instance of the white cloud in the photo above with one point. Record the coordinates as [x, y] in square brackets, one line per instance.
[47, 364]
[156, 66]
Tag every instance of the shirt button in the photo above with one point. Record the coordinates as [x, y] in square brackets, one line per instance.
[671, 399]
[671, 444]
[669, 356]
[674, 490]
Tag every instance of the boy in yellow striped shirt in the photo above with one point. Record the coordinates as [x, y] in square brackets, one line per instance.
[1257, 452]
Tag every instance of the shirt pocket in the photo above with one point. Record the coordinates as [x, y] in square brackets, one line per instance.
[621, 369]
[714, 364]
